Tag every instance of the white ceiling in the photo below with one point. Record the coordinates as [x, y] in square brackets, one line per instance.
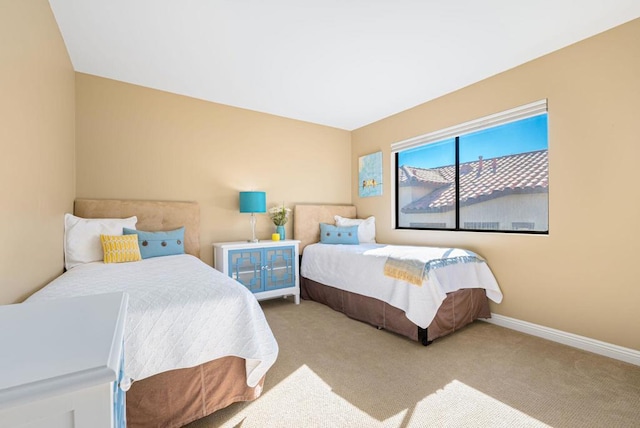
[341, 63]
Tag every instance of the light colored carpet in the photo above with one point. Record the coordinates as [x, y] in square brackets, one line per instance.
[336, 372]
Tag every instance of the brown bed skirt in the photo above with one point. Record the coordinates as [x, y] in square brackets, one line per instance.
[177, 397]
[457, 310]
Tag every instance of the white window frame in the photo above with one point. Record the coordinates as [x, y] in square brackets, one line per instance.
[517, 113]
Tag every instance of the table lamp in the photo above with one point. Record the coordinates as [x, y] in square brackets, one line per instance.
[253, 202]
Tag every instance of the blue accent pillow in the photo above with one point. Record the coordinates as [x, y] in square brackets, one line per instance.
[330, 234]
[156, 244]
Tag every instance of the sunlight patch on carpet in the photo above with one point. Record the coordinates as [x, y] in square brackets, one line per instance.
[459, 405]
[303, 399]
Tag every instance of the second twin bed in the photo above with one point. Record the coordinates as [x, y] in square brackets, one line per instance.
[420, 292]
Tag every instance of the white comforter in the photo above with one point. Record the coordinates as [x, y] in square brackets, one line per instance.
[181, 313]
[359, 269]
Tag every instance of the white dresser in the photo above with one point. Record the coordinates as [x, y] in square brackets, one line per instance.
[60, 361]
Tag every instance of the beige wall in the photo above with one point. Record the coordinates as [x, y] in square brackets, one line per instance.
[581, 278]
[139, 143]
[37, 182]
[134, 142]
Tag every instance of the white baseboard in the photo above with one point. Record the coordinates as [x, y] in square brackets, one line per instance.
[597, 347]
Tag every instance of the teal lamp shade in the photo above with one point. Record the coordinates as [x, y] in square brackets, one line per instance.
[253, 202]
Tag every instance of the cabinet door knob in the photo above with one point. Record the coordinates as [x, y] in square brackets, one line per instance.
[125, 383]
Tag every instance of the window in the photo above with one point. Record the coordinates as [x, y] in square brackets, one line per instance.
[490, 174]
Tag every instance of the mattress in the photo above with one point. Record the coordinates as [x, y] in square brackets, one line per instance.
[360, 269]
[181, 313]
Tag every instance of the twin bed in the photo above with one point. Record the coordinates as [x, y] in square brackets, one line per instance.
[187, 348]
[451, 288]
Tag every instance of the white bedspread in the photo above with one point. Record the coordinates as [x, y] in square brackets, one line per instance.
[359, 269]
[181, 313]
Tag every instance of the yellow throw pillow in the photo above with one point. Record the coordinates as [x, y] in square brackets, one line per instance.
[120, 248]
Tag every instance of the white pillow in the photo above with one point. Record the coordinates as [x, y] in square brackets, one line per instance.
[82, 237]
[366, 227]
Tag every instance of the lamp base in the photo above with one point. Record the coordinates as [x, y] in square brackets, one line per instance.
[253, 229]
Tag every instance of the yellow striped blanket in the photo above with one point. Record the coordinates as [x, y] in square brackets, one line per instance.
[413, 264]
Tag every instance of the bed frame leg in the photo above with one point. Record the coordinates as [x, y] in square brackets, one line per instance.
[423, 336]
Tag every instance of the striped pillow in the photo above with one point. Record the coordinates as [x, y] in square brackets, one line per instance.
[120, 248]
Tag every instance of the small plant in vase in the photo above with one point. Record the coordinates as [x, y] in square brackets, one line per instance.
[279, 217]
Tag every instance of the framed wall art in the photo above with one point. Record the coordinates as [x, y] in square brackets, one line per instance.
[370, 175]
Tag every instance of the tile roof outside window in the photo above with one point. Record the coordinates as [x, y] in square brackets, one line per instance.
[410, 176]
[480, 181]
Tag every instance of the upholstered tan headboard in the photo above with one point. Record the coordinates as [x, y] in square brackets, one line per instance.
[152, 216]
[307, 219]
